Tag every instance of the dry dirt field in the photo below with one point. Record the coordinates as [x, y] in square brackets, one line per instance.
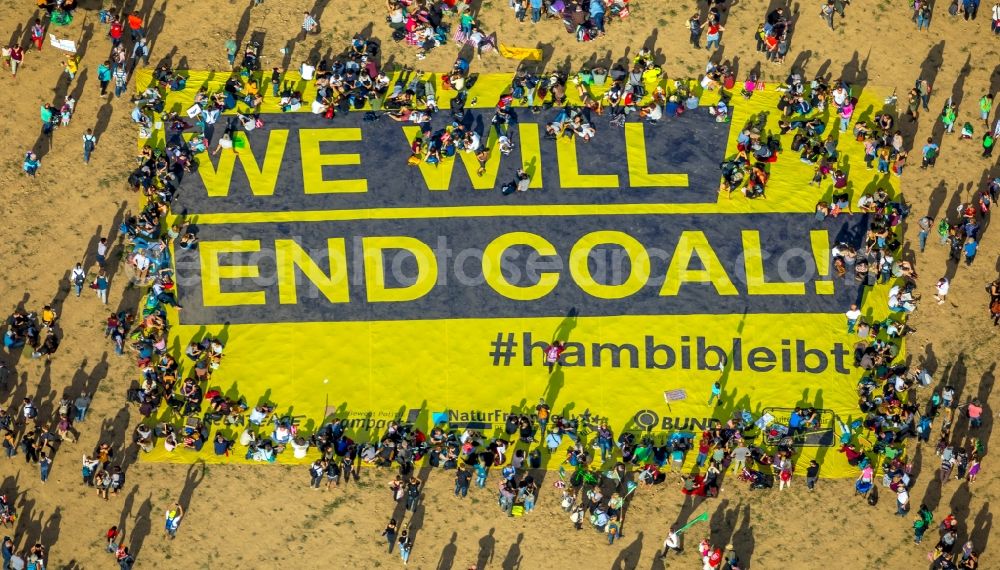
[266, 517]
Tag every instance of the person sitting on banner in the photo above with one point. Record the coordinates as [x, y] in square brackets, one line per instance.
[854, 457]
[756, 182]
[733, 174]
[720, 111]
[290, 101]
[583, 128]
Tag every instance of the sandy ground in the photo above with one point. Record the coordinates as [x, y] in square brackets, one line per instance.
[266, 517]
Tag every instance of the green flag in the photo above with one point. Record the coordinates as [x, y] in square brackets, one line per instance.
[703, 517]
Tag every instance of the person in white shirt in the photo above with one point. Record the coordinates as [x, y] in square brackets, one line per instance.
[226, 142]
[673, 542]
[942, 290]
[840, 96]
[853, 314]
[472, 141]
[77, 277]
[307, 71]
[141, 266]
[102, 252]
[299, 447]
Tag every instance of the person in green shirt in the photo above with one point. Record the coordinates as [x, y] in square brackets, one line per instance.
[919, 528]
[231, 49]
[988, 145]
[967, 130]
[948, 117]
[985, 106]
[466, 23]
[942, 230]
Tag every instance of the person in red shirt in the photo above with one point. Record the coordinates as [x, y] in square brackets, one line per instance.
[16, 57]
[553, 353]
[37, 34]
[113, 535]
[714, 560]
[115, 33]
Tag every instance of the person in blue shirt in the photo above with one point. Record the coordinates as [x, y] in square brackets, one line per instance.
[795, 422]
[11, 340]
[104, 76]
[716, 394]
[222, 444]
[597, 15]
[7, 550]
[536, 11]
[31, 163]
[971, 246]
[930, 152]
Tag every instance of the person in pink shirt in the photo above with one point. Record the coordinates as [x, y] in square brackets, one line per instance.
[975, 412]
[553, 353]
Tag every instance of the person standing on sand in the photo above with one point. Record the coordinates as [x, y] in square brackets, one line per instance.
[390, 533]
[412, 494]
[812, 475]
[173, 520]
[89, 142]
[104, 76]
[44, 466]
[672, 543]
[405, 544]
[16, 58]
[462, 479]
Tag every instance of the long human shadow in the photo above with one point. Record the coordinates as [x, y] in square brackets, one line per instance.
[194, 478]
[103, 120]
[855, 73]
[448, 554]
[688, 507]
[123, 519]
[115, 250]
[935, 201]
[928, 71]
[981, 528]
[957, 94]
[958, 379]
[743, 539]
[960, 502]
[50, 532]
[628, 558]
[242, 28]
[723, 523]
[28, 525]
[141, 527]
[514, 557]
[43, 393]
[87, 382]
[487, 548]
[155, 25]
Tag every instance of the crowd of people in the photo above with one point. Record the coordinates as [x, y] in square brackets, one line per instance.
[599, 472]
